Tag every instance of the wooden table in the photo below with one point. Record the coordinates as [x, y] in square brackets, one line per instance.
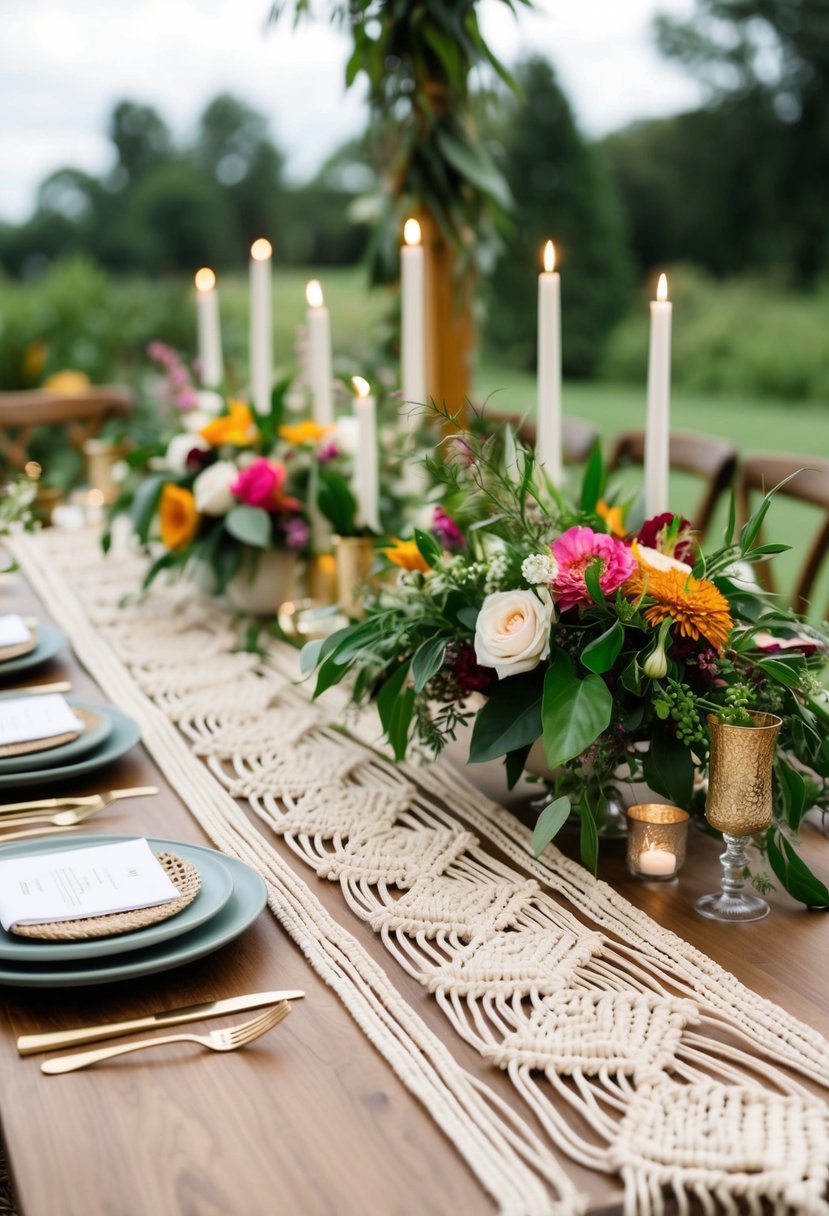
[310, 1120]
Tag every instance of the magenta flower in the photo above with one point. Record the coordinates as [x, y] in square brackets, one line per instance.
[576, 550]
[297, 532]
[446, 530]
[260, 485]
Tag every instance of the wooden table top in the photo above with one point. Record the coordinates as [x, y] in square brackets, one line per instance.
[310, 1119]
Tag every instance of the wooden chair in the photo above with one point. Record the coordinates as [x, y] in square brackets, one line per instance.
[809, 484]
[578, 436]
[82, 414]
[713, 460]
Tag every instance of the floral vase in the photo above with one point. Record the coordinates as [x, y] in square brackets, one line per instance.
[264, 581]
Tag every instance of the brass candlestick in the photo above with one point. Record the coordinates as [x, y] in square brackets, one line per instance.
[739, 804]
[355, 557]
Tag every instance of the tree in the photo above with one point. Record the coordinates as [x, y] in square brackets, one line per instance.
[770, 58]
[561, 191]
[142, 140]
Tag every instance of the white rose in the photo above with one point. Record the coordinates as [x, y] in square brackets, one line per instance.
[209, 402]
[179, 449]
[211, 489]
[513, 631]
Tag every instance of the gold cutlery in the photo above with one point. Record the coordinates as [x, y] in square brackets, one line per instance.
[54, 804]
[8, 837]
[62, 819]
[51, 1040]
[38, 690]
[229, 1039]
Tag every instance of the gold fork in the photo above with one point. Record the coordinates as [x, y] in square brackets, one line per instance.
[229, 1039]
[97, 800]
[63, 819]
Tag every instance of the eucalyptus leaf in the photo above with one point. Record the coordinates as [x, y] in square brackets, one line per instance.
[427, 661]
[549, 823]
[250, 525]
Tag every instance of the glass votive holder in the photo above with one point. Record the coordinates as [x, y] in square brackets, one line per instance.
[657, 834]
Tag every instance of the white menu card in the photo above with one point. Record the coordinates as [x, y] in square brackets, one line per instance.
[81, 882]
[24, 719]
[13, 630]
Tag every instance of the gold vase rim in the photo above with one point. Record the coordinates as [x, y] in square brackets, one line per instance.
[760, 720]
[657, 812]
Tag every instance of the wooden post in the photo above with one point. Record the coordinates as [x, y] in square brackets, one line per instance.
[450, 332]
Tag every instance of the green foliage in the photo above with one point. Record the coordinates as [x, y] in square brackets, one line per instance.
[560, 191]
[750, 337]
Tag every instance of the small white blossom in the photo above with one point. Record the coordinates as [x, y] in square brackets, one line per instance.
[539, 568]
[496, 573]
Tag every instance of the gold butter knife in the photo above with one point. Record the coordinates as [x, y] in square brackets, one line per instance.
[30, 1044]
[55, 804]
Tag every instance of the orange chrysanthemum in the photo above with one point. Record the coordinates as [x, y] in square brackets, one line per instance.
[304, 432]
[614, 517]
[178, 516]
[694, 604]
[236, 427]
[405, 553]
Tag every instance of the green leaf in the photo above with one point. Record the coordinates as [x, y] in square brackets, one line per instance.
[468, 616]
[549, 823]
[593, 482]
[145, 505]
[428, 547]
[395, 705]
[427, 660]
[728, 534]
[632, 676]
[389, 692]
[309, 655]
[786, 673]
[336, 502]
[474, 164]
[510, 719]
[793, 872]
[592, 577]
[668, 767]
[793, 789]
[588, 837]
[514, 763]
[250, 525]
[574, 711]
[600, 654]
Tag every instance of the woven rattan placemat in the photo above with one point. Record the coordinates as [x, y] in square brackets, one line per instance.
[20, 648]
[181, 872]
[90, 722]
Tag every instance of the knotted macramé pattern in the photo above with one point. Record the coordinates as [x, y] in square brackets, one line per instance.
[578, 1019]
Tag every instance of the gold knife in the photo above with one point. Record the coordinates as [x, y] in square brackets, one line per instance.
[36, 690]
[30, 1044]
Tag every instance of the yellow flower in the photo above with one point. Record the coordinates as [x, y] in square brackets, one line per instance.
[68, 381]
[178, 515]
[695, 605]
[614, 517]
[405, 553]
[303, 432]
[236, 427]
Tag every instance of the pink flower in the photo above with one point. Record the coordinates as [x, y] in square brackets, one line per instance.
[260, 485]
[578, 548]
[446, 530]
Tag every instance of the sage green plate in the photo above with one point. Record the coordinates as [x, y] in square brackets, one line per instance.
[216, 889]
[50, 641]
[65, 753]
[123, 735]
[241, 910]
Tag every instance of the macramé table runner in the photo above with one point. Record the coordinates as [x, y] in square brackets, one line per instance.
[585, 1003]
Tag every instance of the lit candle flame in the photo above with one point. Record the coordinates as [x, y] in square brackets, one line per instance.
[205, 279]
[361, 387]
[549, 257]
[313, 293]
[261, 249]
[411, 232]
[32, 469]
[662, 288]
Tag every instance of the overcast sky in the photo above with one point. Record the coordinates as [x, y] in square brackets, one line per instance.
[64, 63]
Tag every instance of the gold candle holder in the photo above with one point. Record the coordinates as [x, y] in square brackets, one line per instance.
[739, 804]
[102, 455]
[656, 839]
[321, 578]
[355, 557]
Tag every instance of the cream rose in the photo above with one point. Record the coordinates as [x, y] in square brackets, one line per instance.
[513, 631]
[179, 449]
[211, 489]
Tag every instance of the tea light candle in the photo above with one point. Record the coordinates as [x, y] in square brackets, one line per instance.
[319, 354]
[261, 325]
[366, 462]
[658, 420]
[659, 862]
[211, 366]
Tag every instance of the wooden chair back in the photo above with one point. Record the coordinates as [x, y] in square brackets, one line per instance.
[809, 484]
[82, 414]
[712, 460]
[578, 437]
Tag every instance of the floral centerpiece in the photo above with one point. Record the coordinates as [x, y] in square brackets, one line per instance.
[603, 639]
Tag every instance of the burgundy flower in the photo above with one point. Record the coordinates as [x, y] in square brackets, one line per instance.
[654, 535]
[466, 669]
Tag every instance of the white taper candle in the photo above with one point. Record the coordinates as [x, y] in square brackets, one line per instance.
[261, 325]
[658, 420]
[548, 447]
[319, 354]
[367, 470]
[211, 367]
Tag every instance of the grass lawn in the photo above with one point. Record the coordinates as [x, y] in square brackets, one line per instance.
[753, 425]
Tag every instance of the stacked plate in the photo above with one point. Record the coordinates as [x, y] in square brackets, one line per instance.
[48, 641]
[107, 735]
[229, 899]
